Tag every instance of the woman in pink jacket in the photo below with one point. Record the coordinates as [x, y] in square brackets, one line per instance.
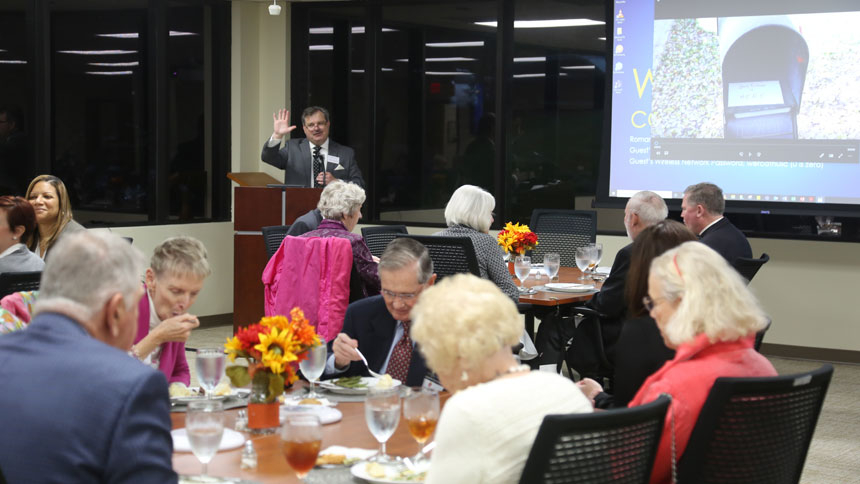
[175, 277]
[708, 316]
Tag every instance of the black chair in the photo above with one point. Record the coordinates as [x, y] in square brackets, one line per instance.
[273, 235]
[562, 231]
[755, 430]
[748, 267]
[587, 354]
[19, 281]
[759, 336]
[450, 255]
[377, 238]
[616, 447]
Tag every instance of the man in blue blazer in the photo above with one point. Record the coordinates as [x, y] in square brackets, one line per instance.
[299, 156]
[702, 211]
[375, 325]
[76, 406]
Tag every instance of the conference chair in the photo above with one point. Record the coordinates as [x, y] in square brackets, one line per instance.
[749, 267]
[587, 354]
[562, 231]
[273, 235]
[759, 336]
[19, 281]
[755, 430]
[450, 255]
[616, 446]
[377, 238]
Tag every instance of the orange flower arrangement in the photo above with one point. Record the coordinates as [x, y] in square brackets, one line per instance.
[273, 347]
[517, 238]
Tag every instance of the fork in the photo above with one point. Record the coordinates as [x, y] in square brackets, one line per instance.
[372, 373]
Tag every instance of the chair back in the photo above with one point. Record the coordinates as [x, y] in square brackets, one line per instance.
[759, 336]
[562, 231]
[273, 235]
[603, 447]
[748, 267]
[450, 255]
[19, 281]
[377, 238]
[755, 430]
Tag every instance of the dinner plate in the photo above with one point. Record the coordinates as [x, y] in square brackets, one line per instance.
[230, 440]
[368, 381]
[237, 392]
[391, 474]
[569, 287]
[326, 414]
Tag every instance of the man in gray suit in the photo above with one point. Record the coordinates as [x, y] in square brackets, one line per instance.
[75, 406]
[315, 160]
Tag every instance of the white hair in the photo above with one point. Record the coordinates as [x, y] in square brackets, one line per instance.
[85, 270]
[340, 199]
[181, 255]
[470, 206]
[649, 206]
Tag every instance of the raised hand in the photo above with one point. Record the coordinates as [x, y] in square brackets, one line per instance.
[177, 328]
[344, 350]
[281, 124]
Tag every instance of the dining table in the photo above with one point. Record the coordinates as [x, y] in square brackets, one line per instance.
[272, 467]
[543, 299]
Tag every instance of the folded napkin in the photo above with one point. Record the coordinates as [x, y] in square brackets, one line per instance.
[350, 452]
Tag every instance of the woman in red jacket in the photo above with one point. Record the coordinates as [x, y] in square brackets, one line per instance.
[708, 316]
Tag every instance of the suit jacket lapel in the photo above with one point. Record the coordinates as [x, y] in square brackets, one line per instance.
[305, 148]
[333, 150]
[382, 330]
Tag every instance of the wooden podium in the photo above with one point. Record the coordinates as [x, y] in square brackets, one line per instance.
[256, 206]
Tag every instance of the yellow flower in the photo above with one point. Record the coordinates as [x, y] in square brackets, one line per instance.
[279, 322]
[277, 349]
[233, 346]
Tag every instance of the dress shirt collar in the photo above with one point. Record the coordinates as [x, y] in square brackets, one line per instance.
[709, 226]
[11, 249]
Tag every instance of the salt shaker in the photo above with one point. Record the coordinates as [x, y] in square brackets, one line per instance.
[249, 456]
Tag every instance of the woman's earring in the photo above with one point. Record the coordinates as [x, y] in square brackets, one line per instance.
[464, 376]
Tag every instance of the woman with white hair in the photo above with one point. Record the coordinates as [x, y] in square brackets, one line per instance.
[469, 213]
[340, 206]
[464, 327]
[178, 267]
[704, 312]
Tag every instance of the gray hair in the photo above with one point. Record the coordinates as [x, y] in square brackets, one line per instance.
[470, 206]
[180, 255]
[649, 206]
[707, 195]
[85, 270]
[402, 252]
[340, 199]
[311, 110]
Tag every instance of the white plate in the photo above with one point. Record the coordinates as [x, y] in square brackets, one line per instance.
[391, 473]
[327, 415]
[230, 440]
[237, 392]
[368, 381]
[569, 287]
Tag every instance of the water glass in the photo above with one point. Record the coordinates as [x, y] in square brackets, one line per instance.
[210, 368]
[551, 264]
[522, 267]
[301, 440]
[421, 411]
[313, 366]
[598, 255]
[382, 412]
[204, 424]
[585, 257]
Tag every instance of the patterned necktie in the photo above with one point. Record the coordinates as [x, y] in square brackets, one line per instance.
[401, 356]
[317, 164]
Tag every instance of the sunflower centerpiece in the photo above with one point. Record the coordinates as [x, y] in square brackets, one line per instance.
[516, 239]
[273, 347]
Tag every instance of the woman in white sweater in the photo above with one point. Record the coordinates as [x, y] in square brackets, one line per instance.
[465, 327]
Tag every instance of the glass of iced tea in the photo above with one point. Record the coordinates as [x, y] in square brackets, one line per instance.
[421, 411]
[301, 439]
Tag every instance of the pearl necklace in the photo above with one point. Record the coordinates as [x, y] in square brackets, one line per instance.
[514, 369]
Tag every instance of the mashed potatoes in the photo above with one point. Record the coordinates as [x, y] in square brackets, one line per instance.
[385, 382]
[178, 389]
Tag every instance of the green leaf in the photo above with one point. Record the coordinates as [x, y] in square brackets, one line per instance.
[238, 375]
[276, 387]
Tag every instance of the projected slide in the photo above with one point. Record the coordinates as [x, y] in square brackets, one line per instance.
[759, 97]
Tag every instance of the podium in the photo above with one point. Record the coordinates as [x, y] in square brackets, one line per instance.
[256, 206]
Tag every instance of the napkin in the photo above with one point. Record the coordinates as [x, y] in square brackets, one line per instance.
[350, 452]
[230, 440]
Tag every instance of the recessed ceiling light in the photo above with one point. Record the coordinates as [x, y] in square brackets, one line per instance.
[448, 73]
[330, 30]
[12, 61]
[321, 47]
[539, 74]
[114, 64]
[109, 73]
[98, 52]
[135, 35]
[577, 67]
[475, 43]
[544, 24]
[529, 59]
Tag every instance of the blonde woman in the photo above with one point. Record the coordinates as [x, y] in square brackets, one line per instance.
[705, 313]
[50, 199]
[464, 327]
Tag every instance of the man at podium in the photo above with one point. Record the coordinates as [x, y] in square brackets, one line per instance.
[312, 161]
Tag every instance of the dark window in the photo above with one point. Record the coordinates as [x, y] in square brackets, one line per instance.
[16, 109]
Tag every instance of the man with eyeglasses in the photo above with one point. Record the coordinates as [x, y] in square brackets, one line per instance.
[379, 326]
[315, 160]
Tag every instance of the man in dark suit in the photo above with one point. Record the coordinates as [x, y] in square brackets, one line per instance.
[306, 223]
[312, 161]
[76, 406]
[702, 211]
[379, 325]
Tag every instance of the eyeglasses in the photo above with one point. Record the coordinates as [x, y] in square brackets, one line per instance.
[405, 296]
[314, 125]
[650, 303]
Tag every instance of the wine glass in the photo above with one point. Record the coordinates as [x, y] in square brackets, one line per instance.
[204, 424]
[522, 267]
[313, 365]
[598, 255]
[421, 411]
[584, 257]
[301, 440]
[210, 368]
[551, 263]
[382, 412]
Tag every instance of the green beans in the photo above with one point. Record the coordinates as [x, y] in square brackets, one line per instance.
[350, 382]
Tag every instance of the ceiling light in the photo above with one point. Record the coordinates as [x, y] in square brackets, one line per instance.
[601, 38]
[577, 67]
[476, 43]
[544, 24]
[135, 35]
[114, 64]
[448, 73]
[97, 52]
[321, 47]
[330, 30]
[539, 74]
[11, 61]
[529, 59]
[442, 59]
[109, 73]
